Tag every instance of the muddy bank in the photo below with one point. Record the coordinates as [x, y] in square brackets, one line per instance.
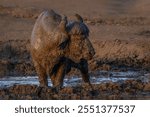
[115, 55]
[120, 42]
[130, 89]
[15, 59]
[119, 31]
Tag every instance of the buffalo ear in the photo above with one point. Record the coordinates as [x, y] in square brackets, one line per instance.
[64, 44]
[79, 18]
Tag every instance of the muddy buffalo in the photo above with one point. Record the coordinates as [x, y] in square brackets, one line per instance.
[57, 45]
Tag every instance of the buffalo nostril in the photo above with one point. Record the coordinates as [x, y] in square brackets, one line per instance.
[91, 53]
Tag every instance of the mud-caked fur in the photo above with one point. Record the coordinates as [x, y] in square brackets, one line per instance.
[57, 45]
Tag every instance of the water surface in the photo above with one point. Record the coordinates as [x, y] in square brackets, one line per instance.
[97, 78]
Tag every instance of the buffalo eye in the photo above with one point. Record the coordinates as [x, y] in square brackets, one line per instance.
[64, 44]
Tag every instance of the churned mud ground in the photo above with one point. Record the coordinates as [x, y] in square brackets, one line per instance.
[119, 31]
[130, 89]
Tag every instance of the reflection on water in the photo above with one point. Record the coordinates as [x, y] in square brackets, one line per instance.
[100, 77]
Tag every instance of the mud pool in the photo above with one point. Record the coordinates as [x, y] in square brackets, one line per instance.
[96, 78]
[106, 85]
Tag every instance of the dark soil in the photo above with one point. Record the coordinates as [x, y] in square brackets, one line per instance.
[119, 33]
[130, 89]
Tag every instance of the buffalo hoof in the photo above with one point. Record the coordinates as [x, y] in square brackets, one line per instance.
[56, 89]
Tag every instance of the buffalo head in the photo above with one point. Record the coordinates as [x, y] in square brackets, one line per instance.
[80, 46]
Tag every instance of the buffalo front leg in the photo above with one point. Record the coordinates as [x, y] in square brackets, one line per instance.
[42, 75]
[85, 72]
[58, 78]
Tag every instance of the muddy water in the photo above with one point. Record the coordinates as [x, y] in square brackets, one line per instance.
[106, 85]
[96, 78]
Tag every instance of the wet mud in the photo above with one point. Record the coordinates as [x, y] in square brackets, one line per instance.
[119, 31]
[106, 85]
[130, 89]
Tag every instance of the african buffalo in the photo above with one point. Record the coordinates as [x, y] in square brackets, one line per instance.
[57, 45]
